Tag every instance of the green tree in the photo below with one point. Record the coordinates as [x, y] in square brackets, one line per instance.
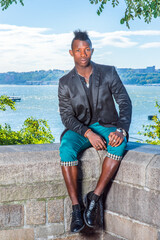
[5, 101]
[146, 9]
[36, 131]
[152, 131]
[6, 3]
[33, 131]
[9, 137]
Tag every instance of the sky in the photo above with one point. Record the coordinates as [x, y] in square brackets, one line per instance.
[37, 36]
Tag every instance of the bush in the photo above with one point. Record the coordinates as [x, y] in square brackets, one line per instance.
[33, 131]
[36, 131]
[153, 130]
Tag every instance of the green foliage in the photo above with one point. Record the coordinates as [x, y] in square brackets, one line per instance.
[9, 137]
[36, 131]
[146, 9]
[6, 101]
[6, 3]
[152, 131]
[33, 131]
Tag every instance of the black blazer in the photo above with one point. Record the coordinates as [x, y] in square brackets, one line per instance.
[106, 86]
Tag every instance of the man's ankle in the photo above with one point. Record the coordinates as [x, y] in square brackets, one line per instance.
[76, 207]
[93, 196]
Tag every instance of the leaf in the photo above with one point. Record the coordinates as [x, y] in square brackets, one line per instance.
[122, 21]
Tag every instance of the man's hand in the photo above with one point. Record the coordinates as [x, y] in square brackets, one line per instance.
[115, 138]
[97, 141]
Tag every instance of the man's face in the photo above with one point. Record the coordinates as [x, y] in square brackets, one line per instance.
[81, 53]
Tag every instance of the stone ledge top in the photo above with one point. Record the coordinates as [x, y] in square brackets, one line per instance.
[30, 148]
[143, 147]
[131, 146]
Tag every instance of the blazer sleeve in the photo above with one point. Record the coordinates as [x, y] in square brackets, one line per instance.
[122, 99]
[67, 113]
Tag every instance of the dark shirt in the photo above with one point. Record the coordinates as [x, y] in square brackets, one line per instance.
[90, 97]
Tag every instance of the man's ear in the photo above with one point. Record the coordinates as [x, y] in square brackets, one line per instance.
[71, 52]
[92, 50]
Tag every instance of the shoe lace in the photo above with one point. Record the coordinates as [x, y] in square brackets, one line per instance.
[76, 215]
[92, 207]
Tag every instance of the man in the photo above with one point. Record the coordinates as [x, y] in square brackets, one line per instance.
[88, 112]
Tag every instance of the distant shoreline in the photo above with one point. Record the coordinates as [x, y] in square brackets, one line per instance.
[56, 84]
[148, 76]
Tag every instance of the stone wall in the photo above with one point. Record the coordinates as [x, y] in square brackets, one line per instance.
[34, 204]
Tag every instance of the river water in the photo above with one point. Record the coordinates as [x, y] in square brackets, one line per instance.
[42, 102]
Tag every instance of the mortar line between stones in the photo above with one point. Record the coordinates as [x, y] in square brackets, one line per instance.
[146, 169]
[130, 219]
[46, 208]
[117, 236]
[24, 215]
[128, 184]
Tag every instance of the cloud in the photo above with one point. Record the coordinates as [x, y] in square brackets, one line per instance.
[121, 39]
[151, 45]
[25, 48]
[115, 39]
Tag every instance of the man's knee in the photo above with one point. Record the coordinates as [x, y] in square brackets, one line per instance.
[117, 153]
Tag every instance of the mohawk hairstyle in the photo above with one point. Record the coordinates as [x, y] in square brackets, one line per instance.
[82, 36]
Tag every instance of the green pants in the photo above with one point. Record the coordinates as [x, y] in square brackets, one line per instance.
[73, 143]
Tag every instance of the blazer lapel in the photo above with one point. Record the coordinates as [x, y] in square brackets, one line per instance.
[95, 84]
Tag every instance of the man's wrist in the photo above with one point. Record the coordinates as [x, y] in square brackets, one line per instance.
[87, 133]
[121, 130]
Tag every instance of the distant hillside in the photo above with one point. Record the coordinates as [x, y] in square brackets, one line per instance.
[41, 77]
[139, 76]
[129, 76]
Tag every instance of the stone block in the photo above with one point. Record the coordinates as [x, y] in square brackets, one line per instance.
[132, 168]
[153, 174]
[35, 212]
[55, 210]
[128, 228]
[32, 191]
[17, 234]
[88, 185]
[137, 203]
[107, 236]
[102, 155]
[87, 169]
[29, 167]
[11, 216]
[48, 231]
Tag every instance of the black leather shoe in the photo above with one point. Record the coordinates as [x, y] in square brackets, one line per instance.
[93, 211]
[90, 210]
[77, 223]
